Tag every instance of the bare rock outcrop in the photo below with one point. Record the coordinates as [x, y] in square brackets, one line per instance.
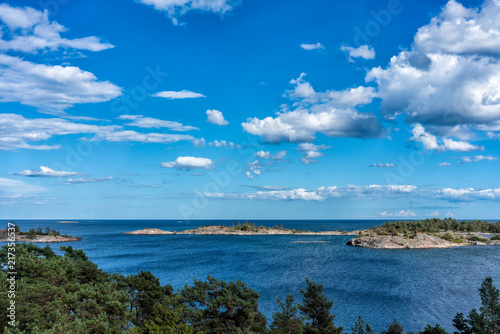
[420, 241]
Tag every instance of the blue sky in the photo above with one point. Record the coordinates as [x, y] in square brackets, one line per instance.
[206, 109]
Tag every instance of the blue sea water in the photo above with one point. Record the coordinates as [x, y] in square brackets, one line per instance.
[416, 287]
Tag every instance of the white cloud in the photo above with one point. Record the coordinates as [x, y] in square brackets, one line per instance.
[89, 180]
[433, 214]
[387, 165]
[451, 75]
[330, 113]
[444, 164]
[249, 175]
[30, 30]
[255, 167]
[312, 152]
[183, 94]
[278, 155]
[216, 117]
[16, 131]
[321, 193]
[15, 187]
[462, 30]
[175, 8]
[479, 158]
[263, 154]
[46, 172]
[199, 142]
[430, 142]
[189, 163]
[133, 136]
[223, 143]
[310, 47]
[269, 188]
[50, 88]
[364, 51]
[401, 213]
[468, 194]
[148, 122]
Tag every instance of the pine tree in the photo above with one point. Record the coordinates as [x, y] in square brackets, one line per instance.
[316, 308]
[287, 321]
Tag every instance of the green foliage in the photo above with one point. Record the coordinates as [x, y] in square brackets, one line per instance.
[145, 291]
[394, 328]
[287, 321]
[316, 308]
[487, 320]
[451, 237]
[433, 225]
[433, 330]
[168, 317]
[361, 327]
[495, 237]
[475, 238]
[219, 307]
[65, 294]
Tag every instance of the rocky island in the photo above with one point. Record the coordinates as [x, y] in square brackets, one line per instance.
[242, 229]
[430, 233]
[49, 236]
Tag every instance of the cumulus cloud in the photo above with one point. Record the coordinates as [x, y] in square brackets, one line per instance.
[148, 122]
[311, 152]
[89, 180]
[223, 143]
[401, 213]
[444, 164]
[263, 154]
[310, 47]
[364, 51]
[183, 94]
[199, 142]
[249, 175]
[462, 30]
[30, 30]
[176, 8]
[50, 88]
[189, 163]
[331, 113]
[45, 172]
[278, 156]
[451, 75]
[216, 117]
[430, 142]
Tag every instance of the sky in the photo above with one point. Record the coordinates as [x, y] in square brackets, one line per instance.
[221, 109]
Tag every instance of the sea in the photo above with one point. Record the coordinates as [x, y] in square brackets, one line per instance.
[415, 287]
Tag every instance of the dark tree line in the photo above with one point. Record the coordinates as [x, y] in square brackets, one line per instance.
[69, 294]
[434, 225]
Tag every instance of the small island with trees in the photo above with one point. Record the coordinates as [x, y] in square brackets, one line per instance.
[46, 235]
[417, 234]
[429, 233]
[242, 229]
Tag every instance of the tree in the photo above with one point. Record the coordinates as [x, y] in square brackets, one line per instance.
[287, 321]
[361, 327]
[168, 317]
[316, 308]
[220, 307]
[394, 328]
[145, 291]
[487, 320]
[433, 330]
